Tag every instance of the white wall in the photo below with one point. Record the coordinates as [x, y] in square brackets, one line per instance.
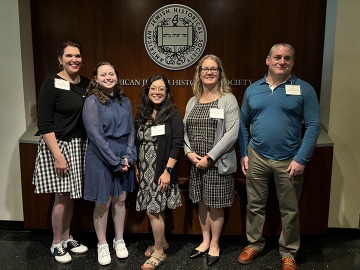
[12, 113]
[17, 88]
[344, 117]
[340, 96]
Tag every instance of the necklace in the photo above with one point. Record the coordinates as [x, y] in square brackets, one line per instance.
[66, 77]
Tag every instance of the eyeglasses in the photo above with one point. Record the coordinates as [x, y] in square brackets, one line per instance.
[212, 70]
[160, 89]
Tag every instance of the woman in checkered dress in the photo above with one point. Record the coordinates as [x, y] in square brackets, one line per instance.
[211, 129]
[59, 166]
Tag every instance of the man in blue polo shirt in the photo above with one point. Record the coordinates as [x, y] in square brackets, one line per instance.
[273, 113]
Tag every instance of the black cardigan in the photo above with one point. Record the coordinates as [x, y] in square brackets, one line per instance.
[169, 145]
[59, 110]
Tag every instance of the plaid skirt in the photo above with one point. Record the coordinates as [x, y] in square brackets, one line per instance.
[45, 178]
[214, 189]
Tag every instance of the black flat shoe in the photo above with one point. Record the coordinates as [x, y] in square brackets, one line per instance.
[197, 253]
[211, 260]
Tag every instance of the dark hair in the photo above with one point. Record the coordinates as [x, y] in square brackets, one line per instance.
[62, 46]
[146, 107]
[94, 88]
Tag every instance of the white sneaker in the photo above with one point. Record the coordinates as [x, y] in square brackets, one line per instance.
[74, 246]
[60, 254]
[104, 257]
[120, 248]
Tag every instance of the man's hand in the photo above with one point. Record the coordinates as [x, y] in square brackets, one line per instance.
[244, 164]
[295, 169]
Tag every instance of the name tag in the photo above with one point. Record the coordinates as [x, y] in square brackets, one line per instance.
[157, 130]
[217, 113]
[292, 90]
[62, 84]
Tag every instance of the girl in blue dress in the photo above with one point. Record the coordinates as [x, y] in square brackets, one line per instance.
[109, 175]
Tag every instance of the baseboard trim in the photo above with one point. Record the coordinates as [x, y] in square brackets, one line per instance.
[9, 225]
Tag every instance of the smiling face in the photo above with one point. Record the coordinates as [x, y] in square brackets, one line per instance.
[209, 73]
[157, 92]
[71, 60]
[106, 78]
[280, 62]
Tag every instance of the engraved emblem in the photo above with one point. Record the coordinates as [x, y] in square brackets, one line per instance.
[175, 37]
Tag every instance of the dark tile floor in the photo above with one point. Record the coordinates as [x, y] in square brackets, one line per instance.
[29, 249]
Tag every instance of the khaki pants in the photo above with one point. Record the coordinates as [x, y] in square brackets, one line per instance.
[261, 171]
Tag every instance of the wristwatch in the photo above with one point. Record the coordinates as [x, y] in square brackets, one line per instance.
[169, 169]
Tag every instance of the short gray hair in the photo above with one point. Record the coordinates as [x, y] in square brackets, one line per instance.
[284, 45]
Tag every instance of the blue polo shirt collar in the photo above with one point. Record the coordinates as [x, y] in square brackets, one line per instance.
[292, 79]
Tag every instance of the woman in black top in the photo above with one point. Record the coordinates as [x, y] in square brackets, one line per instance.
[160, 134]
[59, 163]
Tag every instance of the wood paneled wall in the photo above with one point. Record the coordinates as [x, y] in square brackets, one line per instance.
[240, 32]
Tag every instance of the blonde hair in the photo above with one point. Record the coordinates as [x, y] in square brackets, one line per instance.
[223, 82]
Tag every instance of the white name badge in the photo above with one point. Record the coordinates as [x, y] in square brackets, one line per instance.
[292, 90]
[217, 113]
[157, 130]
[62, 84]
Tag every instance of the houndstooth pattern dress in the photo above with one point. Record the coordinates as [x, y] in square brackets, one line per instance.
[45, 178]
[214, 189]
[149, 196]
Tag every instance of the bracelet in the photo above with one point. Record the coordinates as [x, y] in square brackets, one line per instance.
[208, 158]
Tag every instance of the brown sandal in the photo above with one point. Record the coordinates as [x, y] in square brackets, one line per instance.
[159, 259]
[150, 250]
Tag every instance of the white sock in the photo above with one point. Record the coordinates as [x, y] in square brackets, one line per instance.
[98, 245]
[53, 245]
[67, 240]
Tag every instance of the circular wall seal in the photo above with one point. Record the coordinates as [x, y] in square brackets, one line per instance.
[175, 36]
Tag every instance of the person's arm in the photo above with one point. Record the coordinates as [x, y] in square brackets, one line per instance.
[137, 172]
[46, 106]
[45, 123]
[177, 139]
[311, 115]
[231, 118]
[136, 162]
[164, 179]
[60, 163]
[94, 129]
[244, 132]
[130, 155]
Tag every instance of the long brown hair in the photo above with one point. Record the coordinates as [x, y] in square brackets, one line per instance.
[94, 88]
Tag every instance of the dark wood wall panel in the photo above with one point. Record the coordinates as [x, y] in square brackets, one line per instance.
[240, 32]
[314, 206]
